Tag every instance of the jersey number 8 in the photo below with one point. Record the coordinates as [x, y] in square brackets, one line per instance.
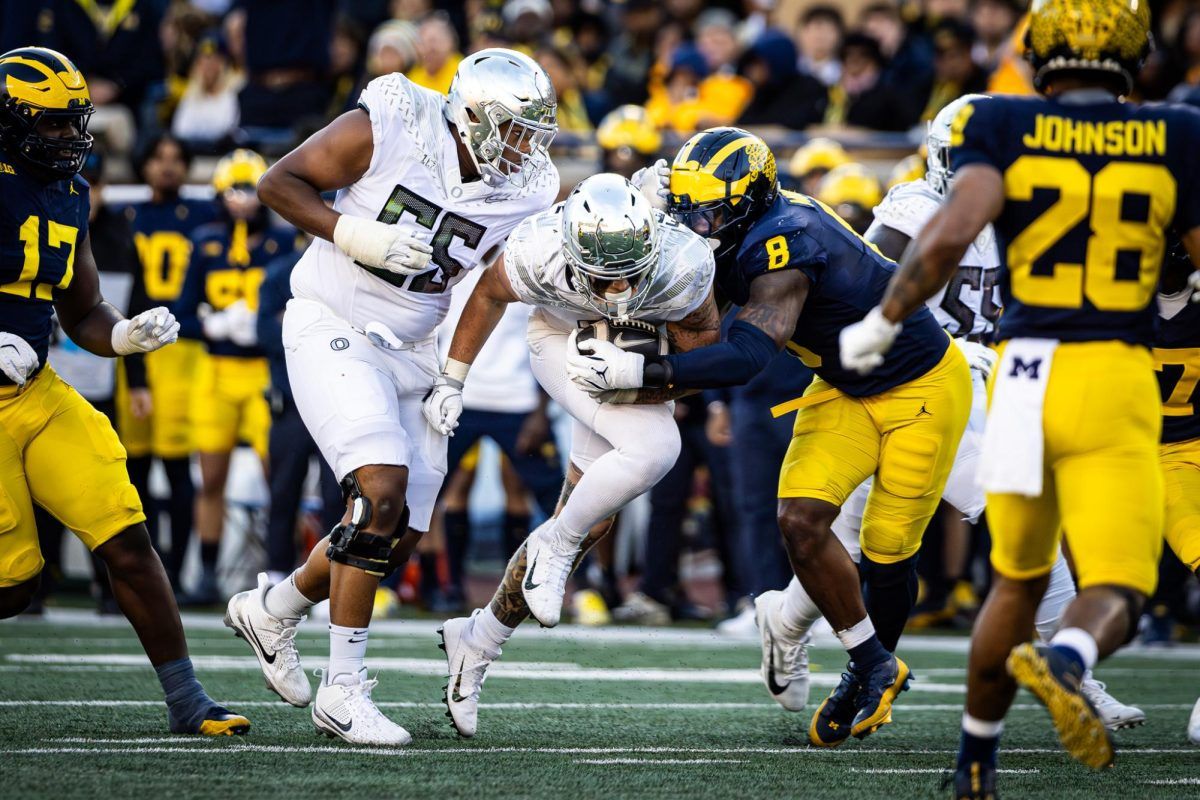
[1079, 193]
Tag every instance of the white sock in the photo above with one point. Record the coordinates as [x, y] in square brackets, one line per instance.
[1081, 642]
[487, 630]
[857, 633]
[797, 611]
[981, 727]
[347, 651]
[284, 601]
[1058, 596]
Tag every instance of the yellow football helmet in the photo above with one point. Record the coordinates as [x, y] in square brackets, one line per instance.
[628, 127]
[909, 168]
[818, 154]
[852, 191]
[239, 169]
[38, 87]
[1106, 36]
[722, 179]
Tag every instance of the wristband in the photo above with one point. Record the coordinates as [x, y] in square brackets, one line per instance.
[456, 370]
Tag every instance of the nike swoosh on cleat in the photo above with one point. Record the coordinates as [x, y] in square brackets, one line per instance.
[455, 695]
[529, 584]
[774, 687]
[268, 657]
[343, 728]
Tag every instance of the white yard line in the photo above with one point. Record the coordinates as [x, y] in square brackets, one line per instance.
[656, 761]
[932, 770]
[1174, 782]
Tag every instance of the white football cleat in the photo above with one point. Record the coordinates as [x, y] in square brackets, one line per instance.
[784, 658]
[347, 712]
[273, 641]
[548, 562]
[740, 626]
[467, 669]
[1194, 725]
[1112, 712]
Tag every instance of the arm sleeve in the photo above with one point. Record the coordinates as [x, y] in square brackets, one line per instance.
[742, 355]
[273, 295]
[186, 307]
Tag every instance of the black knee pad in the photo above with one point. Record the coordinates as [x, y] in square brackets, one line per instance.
[1134, 603]
[350, 544]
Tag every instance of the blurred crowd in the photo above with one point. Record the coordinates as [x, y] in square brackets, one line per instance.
[238, 82]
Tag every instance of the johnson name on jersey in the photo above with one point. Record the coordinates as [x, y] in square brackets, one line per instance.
[1090, 184]
[970, 303]
[414, 181]
[533, 262]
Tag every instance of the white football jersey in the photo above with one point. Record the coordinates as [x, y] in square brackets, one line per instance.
[970, 303]
[534, 264]
[414, 181]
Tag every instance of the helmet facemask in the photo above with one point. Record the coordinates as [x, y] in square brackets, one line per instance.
[508, 144]
[57, 157]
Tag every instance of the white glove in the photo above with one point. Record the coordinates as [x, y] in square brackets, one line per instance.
[217, 325]
[1194, 283]
[145, 333]
[979, 357]
[443, 405]
[380, 245]
[863, 344]
[17, 359]
[243, 324]
[597, 366]
[654, 182]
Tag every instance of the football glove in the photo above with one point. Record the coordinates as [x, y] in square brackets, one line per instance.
[145, 333]
[243, 324]
[654, 182]
[1194, 282]
[979, 357]
[377, 244]
[443, 404]
[17, 359]
[597, 366]
[863, 344]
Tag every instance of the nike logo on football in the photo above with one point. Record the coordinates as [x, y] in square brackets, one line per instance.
[772, 685]
[529, 584]
[622, 342]
[343, 727]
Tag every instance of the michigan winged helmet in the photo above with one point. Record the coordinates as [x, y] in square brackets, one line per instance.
[1107, 36]
[40, 88]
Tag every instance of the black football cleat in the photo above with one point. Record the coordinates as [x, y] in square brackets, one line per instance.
[1055, 681]
[881, 685]
[973, 781]
[831, 724]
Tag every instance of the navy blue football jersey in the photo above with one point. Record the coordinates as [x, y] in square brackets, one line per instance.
[218, 276]
[1177, 359]
[41, 225]
[1089, 190]
[848, 278]
[163, 233]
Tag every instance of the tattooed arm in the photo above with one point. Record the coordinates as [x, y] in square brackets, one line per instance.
[699, 329]
[976, 199]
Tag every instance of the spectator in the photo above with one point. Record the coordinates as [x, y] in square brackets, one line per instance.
[284, 45]
[347, 58]
[411, 10]
[819, 38]
[628, 140]
[909, 57]
[391, 48]
[853, 192]
[631, 55]
[1185, 56]
[782, 94]
[860, 98]
[812, 162]
[565, 69]
[527, 23]
[208, 111]
[994, 22]
[716, 41]
[1013, 75]
[955, 72]
[692, 99]
[154, 421]
[437, 54]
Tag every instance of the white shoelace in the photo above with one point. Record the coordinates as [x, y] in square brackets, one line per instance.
[285, 645]
[795, 659]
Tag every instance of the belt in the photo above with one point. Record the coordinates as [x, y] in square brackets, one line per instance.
[804, 402]
[382, 337]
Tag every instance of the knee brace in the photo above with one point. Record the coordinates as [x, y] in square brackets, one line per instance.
[349, 544]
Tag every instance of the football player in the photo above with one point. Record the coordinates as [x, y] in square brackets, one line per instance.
[429, 186]
[56, 450]
[1081, 187]
[1177, 360]
[967, 309]
[801, 274]
[161, 428]
[218, 305]
[602, 253]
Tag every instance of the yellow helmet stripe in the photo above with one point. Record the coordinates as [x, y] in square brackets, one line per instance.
[700, 182]
[57, 91]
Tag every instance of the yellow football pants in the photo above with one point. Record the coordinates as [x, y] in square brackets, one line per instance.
[1102, 482]
[906, 437]
[1181, 483]
[59, 452]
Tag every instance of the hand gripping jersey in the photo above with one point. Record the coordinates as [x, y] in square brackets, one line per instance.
[40, 227]
[1090, 186]
[848, 278]
[414, 181]
[1177, 360]
[534, 264]
[970, 303]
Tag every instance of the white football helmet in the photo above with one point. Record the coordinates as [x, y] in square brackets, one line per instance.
[503, 106]
[610, 233]
[937, 142]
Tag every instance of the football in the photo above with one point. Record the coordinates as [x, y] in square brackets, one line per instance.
[631, 334]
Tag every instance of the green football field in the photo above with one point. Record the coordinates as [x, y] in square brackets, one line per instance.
[570, 713]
